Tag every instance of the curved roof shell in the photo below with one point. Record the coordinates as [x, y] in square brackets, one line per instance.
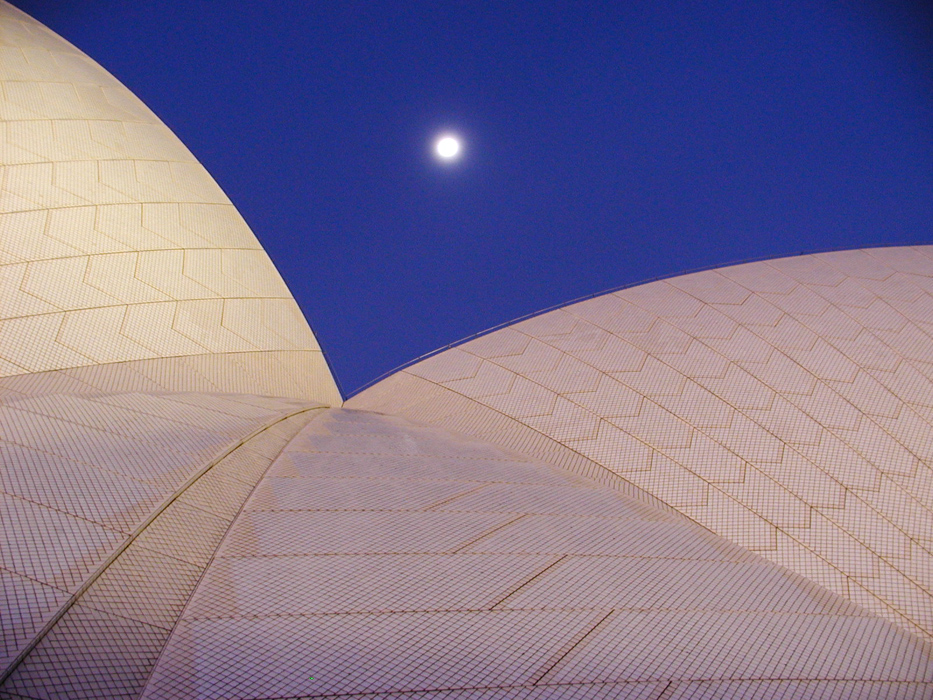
[332, 552]
[786, 405]
[714, 486]
[116, 246]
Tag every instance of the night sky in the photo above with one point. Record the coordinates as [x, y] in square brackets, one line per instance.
[605, 143]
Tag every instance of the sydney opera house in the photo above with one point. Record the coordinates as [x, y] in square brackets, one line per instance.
[718, 485]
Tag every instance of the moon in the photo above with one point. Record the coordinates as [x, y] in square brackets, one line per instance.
[447, 147]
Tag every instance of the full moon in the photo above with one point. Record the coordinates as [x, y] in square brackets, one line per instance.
[447, 147]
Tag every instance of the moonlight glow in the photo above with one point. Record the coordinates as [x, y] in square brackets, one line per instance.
[447, 147]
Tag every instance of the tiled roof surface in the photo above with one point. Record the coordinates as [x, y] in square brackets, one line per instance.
[715, 486]
[786, 405]
[115, 244]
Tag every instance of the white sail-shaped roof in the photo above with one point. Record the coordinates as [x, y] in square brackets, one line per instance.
[717, 486]
[784, 404]
[117, 246]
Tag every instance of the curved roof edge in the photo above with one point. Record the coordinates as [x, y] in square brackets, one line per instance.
[116, 245]
[786, 405]
[593, 295]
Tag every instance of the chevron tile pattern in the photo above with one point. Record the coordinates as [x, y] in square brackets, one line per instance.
[380, 557]
[786, 405]
[115, 243]
[719, 485]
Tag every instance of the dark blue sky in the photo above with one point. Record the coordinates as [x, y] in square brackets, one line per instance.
[606, 143]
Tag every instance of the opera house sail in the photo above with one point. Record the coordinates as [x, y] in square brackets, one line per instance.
[718, 485]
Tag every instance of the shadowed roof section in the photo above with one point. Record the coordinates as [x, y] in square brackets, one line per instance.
[380, 556]
[116, 246]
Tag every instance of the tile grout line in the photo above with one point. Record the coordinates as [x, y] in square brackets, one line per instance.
[527, 581]
[220, 543]
[488, 532]
[73, 598]
[539, 676]
[447, 500]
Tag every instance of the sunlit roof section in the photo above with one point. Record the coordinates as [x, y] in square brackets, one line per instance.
[116, 246]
